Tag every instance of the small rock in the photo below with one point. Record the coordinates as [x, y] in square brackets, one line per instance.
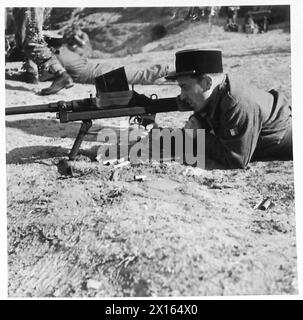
[140, 178]
[93, 284]
[112, 161]
[193, 172]
[108, 162]
[264, 204]
[122, 164]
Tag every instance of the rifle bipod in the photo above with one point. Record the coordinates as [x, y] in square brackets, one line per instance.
[85, 126]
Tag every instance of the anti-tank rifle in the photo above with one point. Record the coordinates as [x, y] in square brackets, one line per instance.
[113, 99]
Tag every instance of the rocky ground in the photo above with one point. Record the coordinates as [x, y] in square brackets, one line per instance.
[183, 232]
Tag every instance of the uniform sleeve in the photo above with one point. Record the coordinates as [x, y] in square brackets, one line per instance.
[145, 76]
[236, 141]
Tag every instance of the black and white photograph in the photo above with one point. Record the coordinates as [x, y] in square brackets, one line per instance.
[149, 151]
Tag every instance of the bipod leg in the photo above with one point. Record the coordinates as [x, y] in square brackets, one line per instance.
[85, 126]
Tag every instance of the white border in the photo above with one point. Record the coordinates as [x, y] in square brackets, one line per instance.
[3, 224]
[297, 104]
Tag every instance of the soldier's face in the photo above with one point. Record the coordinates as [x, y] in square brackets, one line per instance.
[193, 92]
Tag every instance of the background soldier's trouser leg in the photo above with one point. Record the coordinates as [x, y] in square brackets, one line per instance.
[145, 76]
[133, 75]
[30, 66]
[34, 45]
[35, 48]
[31, 71]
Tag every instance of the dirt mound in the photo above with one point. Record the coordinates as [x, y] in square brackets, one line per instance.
[184, 231]
[119, 31]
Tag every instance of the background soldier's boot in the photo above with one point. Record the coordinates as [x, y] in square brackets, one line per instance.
[48, 63]
[31, 72]
[46, 76]
[63, 80]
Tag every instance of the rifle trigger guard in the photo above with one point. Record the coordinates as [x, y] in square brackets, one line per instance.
[135, 120]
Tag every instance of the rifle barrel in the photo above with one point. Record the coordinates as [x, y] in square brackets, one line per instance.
[29, 109]
[75, 105]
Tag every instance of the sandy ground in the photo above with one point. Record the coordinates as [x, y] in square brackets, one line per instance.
[183, 232]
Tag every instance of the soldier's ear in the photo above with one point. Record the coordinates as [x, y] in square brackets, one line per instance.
[206, 82]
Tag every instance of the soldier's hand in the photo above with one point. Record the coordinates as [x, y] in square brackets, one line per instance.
[183, 105]
[195, 122]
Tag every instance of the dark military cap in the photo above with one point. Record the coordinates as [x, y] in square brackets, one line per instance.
[195, 62]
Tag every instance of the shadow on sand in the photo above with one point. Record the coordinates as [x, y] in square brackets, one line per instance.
[36, 154]
[54, 129]
[18, 88]
[45, 127]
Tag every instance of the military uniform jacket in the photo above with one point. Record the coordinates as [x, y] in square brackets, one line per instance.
[246, 122]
